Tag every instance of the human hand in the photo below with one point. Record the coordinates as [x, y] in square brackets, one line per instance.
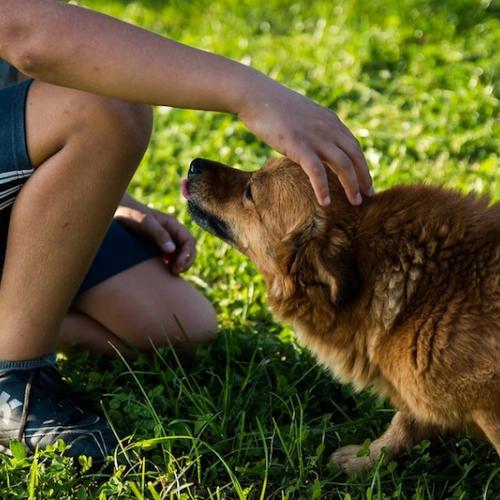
[308, 134]
[177, 243]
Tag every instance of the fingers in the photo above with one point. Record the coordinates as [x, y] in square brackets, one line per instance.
[342, 165]
[173, 238]
[352, 149]
[339, 163]
[343, 155]
[345, 159]
[150, 226]
[315, 170]
[184, 241]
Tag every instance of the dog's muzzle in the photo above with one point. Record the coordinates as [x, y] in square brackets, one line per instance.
[208, 221]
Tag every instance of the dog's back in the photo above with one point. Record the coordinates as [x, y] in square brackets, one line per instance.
[435, 257]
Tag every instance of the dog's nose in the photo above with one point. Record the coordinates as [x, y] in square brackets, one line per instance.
[197, 166]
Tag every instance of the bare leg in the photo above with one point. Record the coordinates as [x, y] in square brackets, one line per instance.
[85, 149]
[403, 431]
[146, 305]
[81, 332]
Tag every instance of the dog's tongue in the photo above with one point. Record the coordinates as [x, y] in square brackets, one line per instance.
[185, 189]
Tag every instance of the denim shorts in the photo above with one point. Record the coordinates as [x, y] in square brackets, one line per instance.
[120, 249]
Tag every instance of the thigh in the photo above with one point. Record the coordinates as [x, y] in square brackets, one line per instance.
[147, 303]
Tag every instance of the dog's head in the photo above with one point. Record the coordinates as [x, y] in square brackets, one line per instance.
[272, 216]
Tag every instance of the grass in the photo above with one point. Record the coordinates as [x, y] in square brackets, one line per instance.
[253, 416]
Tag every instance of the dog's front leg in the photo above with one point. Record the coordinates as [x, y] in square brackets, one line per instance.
[404, 431]
[489, 423]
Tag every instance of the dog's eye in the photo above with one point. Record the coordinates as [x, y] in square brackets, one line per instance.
[248, 192]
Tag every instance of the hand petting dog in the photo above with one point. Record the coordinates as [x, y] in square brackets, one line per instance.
[310, 135]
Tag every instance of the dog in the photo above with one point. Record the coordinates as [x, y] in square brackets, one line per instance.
[400, 294]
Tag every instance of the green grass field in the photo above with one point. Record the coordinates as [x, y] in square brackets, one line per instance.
[253, 416]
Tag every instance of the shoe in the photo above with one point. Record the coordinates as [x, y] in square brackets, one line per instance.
[37, 407]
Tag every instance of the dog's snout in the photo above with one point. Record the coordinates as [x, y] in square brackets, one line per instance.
[197, 166]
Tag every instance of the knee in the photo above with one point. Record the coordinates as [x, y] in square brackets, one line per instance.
[147, 305]
[185, 327]
[135, 122]
[125, 127]
[185, 330]
[58, 117]
[200, 327]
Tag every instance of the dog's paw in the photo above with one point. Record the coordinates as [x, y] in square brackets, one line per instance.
[347, 459]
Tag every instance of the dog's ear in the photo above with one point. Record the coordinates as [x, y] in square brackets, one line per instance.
[311, 256]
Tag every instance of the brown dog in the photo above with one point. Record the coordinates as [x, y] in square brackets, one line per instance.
[401, 294]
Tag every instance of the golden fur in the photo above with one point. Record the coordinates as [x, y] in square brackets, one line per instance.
[401, 294]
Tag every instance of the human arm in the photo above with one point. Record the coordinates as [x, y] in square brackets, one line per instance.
[79, 48]
[175, 241]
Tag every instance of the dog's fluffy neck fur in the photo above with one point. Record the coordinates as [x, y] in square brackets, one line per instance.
[320, 307]
[329, 311]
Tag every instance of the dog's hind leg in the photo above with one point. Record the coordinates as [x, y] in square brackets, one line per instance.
[404, 431]
[489, 422]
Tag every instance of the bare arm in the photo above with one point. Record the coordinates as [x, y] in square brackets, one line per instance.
[79, 48]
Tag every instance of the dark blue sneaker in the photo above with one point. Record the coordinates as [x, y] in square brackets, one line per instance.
[37, 407]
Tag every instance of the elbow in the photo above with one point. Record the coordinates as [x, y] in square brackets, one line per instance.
[28, 60]
[22, 46]
[26, 52]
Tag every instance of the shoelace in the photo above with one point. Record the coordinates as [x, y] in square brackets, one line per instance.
[65, 391]
[26, 403]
